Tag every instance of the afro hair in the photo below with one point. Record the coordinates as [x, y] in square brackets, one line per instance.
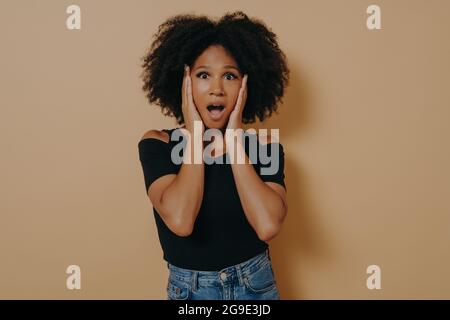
[182, 38]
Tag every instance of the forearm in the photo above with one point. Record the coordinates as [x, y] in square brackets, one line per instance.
[263, 207]
[183, 197]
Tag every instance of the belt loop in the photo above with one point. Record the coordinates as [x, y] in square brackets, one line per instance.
[240, 275]
[194, 280]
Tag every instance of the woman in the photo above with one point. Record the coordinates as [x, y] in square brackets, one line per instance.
[214, 219]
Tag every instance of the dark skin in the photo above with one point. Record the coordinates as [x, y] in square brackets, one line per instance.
[215, 76]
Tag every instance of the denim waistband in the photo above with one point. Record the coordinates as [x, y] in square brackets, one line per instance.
[227, 274]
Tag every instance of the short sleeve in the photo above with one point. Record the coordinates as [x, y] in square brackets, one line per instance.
[272, 170]
[156, 162]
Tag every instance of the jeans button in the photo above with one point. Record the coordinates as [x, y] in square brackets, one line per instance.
[223, 276]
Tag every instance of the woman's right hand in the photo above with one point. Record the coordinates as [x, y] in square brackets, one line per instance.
[190, 113]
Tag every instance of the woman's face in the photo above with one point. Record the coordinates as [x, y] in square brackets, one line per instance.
[216, 80]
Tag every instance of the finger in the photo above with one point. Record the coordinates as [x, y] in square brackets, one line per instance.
[242, 94]
[239, 100]
[183, 86]
[189, 87]
[244, 99]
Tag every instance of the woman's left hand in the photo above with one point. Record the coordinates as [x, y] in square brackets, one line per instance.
[235, 120]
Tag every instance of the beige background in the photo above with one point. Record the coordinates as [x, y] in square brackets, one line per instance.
[364, 125]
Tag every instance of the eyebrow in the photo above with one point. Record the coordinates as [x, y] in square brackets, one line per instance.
[225, 67]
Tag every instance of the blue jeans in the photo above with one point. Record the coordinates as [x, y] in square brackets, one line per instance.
[253, 279]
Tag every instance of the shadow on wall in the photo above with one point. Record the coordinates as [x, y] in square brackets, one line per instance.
[300, 237]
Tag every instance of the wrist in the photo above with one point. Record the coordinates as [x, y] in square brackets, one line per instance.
[234, 136]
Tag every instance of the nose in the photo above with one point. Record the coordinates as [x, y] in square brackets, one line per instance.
[216, 88]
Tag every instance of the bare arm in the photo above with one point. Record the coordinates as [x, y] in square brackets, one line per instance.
[264, 203]
[178, 197]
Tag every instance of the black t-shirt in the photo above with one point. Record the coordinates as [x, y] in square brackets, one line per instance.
[222, 235]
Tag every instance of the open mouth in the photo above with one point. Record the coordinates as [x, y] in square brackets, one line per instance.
[215, 111]
[215, 107]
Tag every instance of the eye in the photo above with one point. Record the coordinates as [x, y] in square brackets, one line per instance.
[230, 74]
[200, 75]
[204, 75]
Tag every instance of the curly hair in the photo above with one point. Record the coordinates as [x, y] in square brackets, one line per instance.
[182, 38]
